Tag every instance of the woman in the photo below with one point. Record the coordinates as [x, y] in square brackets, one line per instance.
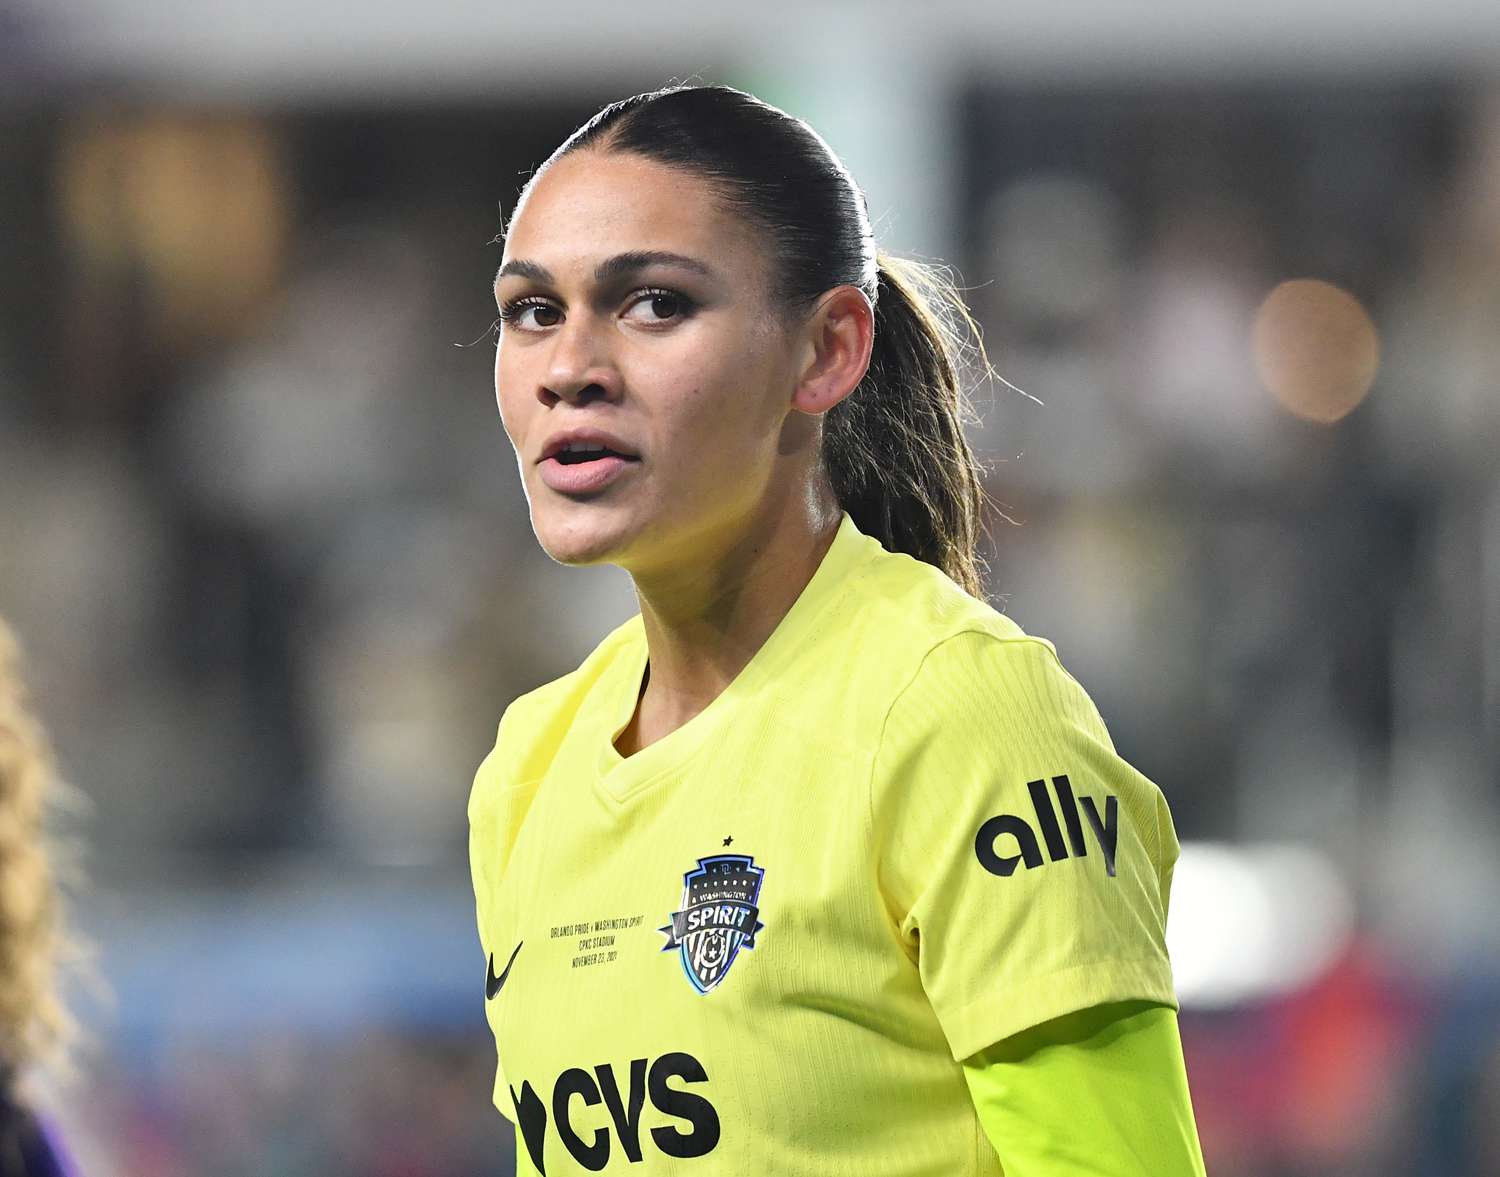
[818, 864]
[33, 1023]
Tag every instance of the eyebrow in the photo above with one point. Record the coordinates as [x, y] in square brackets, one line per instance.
[614, 267]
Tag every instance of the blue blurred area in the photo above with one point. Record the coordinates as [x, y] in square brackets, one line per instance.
[329, 954]
[293, 1022]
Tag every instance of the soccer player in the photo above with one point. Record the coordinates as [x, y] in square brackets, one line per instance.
[818, 864]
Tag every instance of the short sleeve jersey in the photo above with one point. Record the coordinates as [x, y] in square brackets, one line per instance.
[765, 942]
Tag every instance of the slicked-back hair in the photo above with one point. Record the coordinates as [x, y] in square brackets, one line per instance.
[894, 449]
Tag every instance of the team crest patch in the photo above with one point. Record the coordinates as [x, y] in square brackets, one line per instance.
[717, 919]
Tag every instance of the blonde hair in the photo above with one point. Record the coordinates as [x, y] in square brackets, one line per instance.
[34, 1025]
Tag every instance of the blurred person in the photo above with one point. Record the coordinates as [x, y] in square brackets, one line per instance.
[818, 863]
[33, 1022]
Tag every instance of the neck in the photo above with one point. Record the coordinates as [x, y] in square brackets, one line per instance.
[705, 622]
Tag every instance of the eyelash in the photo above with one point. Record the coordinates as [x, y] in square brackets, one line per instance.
[512, 309]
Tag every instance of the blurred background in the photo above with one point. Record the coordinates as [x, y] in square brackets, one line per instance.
[262, 536]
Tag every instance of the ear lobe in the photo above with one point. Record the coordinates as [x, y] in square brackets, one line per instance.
[840, 336]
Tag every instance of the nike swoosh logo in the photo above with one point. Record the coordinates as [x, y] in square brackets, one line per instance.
[492, 983]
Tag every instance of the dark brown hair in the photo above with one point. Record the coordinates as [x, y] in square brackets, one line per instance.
[894, 449]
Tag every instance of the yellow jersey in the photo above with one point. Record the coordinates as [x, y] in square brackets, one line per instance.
[764, 943]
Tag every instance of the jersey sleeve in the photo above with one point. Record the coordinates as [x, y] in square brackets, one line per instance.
[1099, 1091]
[1025, 866]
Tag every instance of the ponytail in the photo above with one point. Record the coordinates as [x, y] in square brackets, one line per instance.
[895, 448]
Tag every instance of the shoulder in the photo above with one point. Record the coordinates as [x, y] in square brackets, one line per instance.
[531, 732]
[988, 722]
[996, 674]
[979, 704]
[532, 726]
[995, 705]
[900, 632]
[940, 643]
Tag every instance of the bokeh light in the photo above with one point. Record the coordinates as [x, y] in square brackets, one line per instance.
[1316, 349]
[1251, 921]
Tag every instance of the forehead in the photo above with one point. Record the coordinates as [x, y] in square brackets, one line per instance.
[591, 204]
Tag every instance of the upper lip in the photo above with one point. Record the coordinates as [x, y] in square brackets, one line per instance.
[585, 437]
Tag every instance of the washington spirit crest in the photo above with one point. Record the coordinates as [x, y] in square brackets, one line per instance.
[717, 919]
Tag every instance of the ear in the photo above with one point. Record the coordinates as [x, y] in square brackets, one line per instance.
[835, 343]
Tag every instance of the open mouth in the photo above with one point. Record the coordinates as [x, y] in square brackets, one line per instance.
[572, 457]
[586, 469]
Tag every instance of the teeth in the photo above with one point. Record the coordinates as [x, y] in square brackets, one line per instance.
[581, 447]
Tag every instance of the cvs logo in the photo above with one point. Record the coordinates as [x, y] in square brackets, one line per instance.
[1106, 830]
[601, 1086]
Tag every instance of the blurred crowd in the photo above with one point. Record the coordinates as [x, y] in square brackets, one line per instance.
[261, 534]
[390, 1103]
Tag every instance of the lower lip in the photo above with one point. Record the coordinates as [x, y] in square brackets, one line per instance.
[578, 477]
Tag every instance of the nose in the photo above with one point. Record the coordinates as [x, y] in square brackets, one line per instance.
[580, 366]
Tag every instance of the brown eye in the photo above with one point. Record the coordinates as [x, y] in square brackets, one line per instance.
[664, 306]
[514, 312]
[660, 306]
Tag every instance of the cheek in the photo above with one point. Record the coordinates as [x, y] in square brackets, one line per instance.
[730, 398]
[507, 398]
[713, 431]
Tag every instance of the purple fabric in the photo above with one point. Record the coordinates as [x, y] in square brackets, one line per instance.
[28, 1148]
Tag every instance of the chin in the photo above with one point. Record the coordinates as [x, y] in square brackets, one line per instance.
[577, 535]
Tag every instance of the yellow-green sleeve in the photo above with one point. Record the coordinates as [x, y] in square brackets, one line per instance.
[1023, 861]
[1101, 1092]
